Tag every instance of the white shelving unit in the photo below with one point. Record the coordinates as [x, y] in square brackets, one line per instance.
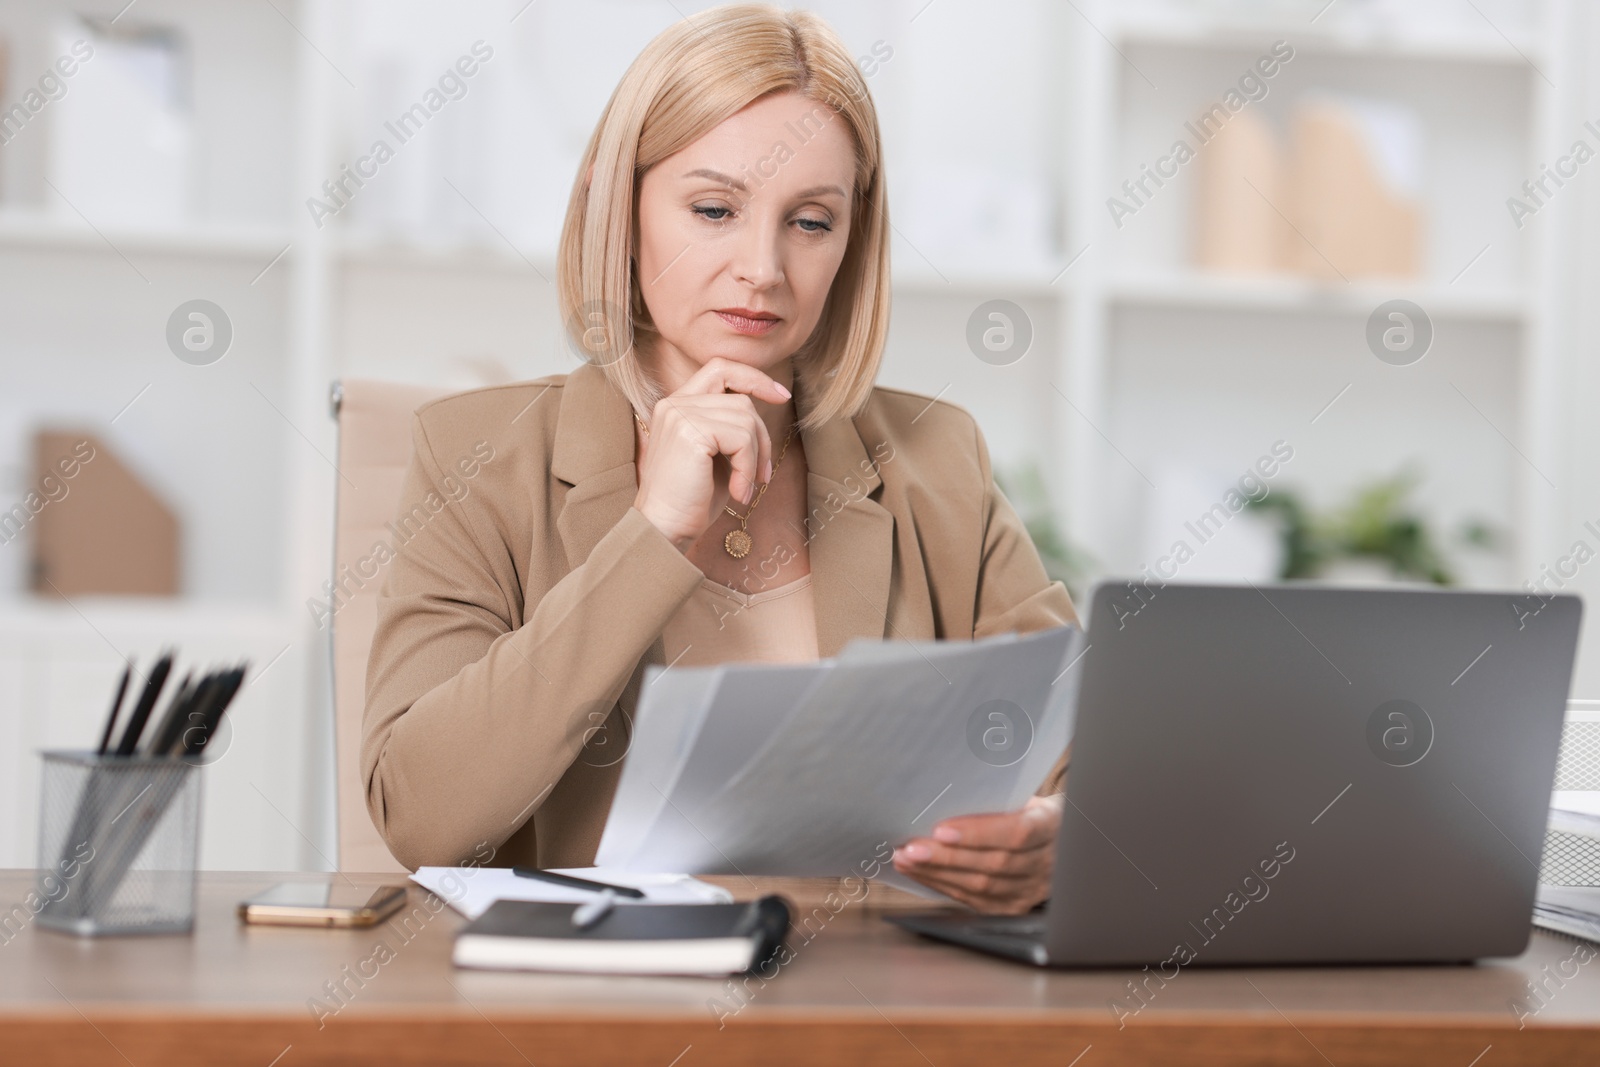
[86, 300]
[1148, 340]
[1137, 361]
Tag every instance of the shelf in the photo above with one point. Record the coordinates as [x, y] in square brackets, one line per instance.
[40, 230]
[914, 277]
[373, 249]
[1485, 46]
[23, 613]
[914, 280]
[1300, 295]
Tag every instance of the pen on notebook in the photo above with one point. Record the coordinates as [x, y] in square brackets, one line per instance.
[116, 705]
[590, 912]
[577, 883]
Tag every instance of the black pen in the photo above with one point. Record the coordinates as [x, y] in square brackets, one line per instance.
[147, 701]
[161, 735]
[116, 706]
[196, 737]
[190, 716]
[576, 883]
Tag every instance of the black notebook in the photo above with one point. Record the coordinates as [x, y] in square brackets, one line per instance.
[696, 939]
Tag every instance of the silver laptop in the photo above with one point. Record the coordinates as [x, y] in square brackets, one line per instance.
[1300, 774]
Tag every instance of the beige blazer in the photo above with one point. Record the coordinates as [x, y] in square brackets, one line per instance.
[526, 595]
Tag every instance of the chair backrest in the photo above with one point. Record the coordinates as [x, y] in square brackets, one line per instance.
[374, 450]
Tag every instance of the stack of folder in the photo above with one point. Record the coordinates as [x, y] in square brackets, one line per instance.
[1568, 901]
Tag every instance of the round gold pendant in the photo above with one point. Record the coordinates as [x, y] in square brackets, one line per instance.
[737, 544]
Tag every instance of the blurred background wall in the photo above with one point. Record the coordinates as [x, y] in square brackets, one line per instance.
[1299, 285]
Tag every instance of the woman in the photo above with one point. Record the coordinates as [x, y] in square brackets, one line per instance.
[719, 481]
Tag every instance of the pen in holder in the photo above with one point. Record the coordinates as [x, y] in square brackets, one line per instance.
[118, 837]
[119, 827]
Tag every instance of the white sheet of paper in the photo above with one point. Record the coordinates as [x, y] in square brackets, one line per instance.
[882, 756]
[1053, 732]
[751, 702]
[879, 750]
[470, 890]
[1582, 801]
[867, 650]
[672, 707]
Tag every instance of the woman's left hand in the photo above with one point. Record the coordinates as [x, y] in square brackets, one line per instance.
[999, 864]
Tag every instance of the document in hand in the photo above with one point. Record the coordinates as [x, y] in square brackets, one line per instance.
[812, 769]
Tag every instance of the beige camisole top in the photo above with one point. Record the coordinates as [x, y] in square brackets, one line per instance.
[718, 624]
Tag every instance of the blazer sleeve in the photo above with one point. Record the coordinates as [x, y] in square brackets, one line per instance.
[469, 722]
[1015, 595]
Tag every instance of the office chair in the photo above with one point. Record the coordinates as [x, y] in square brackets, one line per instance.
[374, 420]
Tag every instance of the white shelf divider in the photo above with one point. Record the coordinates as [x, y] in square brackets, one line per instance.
[41, 230]
[1285, 293]
[1475, 46]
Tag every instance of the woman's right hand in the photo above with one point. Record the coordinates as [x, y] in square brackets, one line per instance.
[684, 481]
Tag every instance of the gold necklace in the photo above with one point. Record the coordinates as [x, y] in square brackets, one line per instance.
[739, 542]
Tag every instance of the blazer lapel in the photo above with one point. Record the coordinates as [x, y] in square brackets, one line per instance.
[851, 536]
[593, 453]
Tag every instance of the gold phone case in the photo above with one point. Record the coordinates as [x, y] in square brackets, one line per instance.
[384, 902]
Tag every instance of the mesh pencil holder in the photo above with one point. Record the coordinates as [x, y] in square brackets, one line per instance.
[118, 837]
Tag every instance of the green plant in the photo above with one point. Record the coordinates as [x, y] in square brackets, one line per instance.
[1378, 523]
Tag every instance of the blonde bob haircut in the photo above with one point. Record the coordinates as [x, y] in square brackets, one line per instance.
[693, 75]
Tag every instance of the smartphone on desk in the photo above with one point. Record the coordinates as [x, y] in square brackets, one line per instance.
[322, 904]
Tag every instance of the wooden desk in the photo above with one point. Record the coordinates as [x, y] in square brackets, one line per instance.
[856, 991]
